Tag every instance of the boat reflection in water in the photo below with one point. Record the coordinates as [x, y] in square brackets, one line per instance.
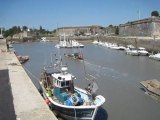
[69, 101]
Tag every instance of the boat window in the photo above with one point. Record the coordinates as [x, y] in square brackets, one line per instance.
[67, 83]
[62, 84]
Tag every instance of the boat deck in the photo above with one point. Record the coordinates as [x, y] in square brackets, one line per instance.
[85, 102]
[152, 86]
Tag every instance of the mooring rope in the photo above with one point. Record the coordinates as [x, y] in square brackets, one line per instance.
[31, 73]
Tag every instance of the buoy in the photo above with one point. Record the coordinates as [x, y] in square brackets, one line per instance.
[47, 101]
[74, 99]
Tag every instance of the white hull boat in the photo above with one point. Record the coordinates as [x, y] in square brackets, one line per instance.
[66, 43]
[155, 57]
[132, 52]
[142, 51]
[65, 98]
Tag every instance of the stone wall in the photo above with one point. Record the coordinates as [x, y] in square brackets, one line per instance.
[110, 30]
[144, 27]
[76, 30]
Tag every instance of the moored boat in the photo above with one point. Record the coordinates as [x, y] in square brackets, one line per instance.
[155, 56]
[66, 42]
[132, 51]
[22, 59]
[142, 51]
[43, 39]
[69, 101]
[152, 87]
[78, 56]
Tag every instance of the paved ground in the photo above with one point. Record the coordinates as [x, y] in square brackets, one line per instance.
[19, 98]
[7, 111]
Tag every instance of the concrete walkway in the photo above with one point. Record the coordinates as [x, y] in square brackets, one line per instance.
[19, 98]
[7, 111]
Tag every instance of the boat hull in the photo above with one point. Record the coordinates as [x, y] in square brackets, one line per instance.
[154, 57]
[77, 113]
[132, 53]
[72, 113]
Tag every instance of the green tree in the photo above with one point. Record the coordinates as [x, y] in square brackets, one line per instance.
[12, 31]
[19, 29]
[117, 30]
[25, 28]
[40, 28]
[155, 13]
[110, 26]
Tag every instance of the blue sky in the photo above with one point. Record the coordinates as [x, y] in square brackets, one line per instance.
[50, 13]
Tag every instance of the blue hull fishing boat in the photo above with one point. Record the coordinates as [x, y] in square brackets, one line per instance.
[67, 100]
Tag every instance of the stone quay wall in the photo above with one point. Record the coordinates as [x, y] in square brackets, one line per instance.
[145, 27]
[150, 43]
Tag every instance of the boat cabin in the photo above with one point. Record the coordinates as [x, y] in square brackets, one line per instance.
[62, 79]
[63, 85]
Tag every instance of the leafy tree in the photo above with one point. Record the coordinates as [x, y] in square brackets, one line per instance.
[19, 28]
[110, 26]
[155, 13]
[40, 28]
[117, 30]
[25, 28]
[12, 31]
[55, 30]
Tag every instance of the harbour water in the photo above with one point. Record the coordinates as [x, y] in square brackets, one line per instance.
[117, 75]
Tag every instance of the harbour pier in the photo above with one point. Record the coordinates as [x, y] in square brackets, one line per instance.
[19, 98]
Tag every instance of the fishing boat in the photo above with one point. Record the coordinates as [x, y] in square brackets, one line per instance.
[78, 56]
[66, 99]
[22, 59]
[152, 87]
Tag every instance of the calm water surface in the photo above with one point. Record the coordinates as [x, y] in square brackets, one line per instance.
[117, 75]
